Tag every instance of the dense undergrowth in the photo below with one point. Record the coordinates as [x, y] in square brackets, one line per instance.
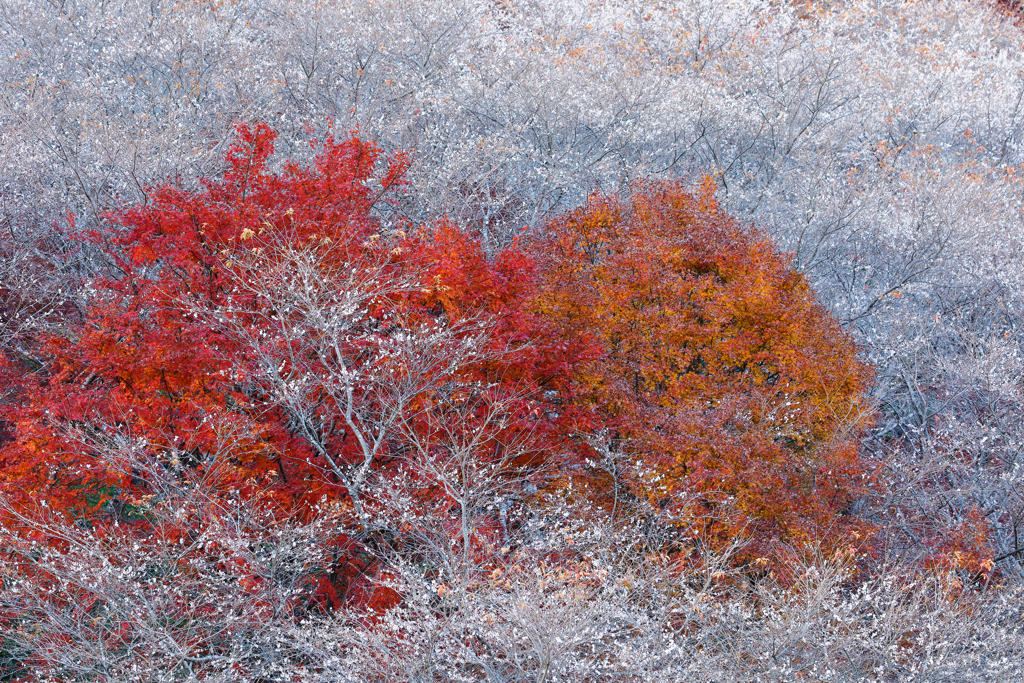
[618, 341]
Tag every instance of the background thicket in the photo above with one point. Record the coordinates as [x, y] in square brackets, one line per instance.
[410, 395]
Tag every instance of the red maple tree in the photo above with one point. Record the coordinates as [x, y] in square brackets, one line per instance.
[270, 337]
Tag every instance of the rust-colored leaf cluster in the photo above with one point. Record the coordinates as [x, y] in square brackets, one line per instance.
[725, 387]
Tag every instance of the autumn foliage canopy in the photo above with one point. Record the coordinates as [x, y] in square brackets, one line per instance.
[272, 341]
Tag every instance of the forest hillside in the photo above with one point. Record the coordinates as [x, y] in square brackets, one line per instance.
[508, 341]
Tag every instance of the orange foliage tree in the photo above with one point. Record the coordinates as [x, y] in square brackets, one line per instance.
[721, 386]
